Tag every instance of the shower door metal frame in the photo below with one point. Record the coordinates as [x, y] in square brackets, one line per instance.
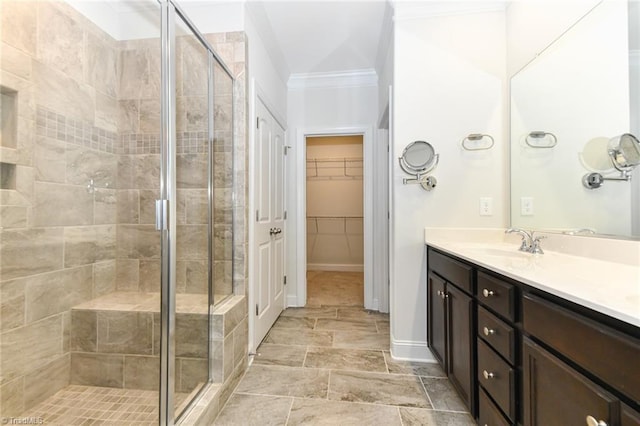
[166, 205]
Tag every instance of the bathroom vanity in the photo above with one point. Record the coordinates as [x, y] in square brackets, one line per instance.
[550, 339]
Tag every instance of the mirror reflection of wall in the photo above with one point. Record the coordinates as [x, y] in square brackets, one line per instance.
[578, 89]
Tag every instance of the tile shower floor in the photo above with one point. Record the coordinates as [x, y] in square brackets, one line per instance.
[92, 405]
[330, 365]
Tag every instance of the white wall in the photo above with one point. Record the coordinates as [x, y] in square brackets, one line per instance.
[547, 20]
[384, 62]
[317, 110]
[449, 81]
[266, 65]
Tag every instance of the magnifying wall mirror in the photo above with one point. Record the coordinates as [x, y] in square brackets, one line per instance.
[625, 152]
[418, 159]
[624, 155]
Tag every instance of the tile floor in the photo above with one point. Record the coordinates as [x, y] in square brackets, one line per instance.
[92, 405]
[330, 365]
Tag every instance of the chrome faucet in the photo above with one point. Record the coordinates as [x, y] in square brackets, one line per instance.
[526, 238]
[530, 244]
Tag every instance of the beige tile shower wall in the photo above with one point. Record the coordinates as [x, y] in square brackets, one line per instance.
[138, 184]
[232, 49]
[58, 226]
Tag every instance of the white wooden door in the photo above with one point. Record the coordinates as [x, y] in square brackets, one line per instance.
[269, 226]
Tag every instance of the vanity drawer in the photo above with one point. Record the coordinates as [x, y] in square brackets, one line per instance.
[498, 334]
[453, 271]
[497, 378]
[488, 413]
[606, 353]
[497, 295]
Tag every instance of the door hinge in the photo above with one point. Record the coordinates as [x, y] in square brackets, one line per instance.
[257, 310]
[286, 149]
[285, 215]
[257, 215]
[285, 280]
[257, 122]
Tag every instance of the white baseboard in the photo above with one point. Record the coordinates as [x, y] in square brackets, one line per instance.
[334, 267]
[406, 350]
[292, 301]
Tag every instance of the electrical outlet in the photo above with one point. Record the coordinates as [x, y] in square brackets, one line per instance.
[486, 206]
[526, 206]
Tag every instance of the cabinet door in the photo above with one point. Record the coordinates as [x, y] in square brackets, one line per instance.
[556, 394]
[436, 319]
[629, 416]
[461, 335]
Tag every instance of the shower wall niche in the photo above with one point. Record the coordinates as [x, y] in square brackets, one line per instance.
[79, 252]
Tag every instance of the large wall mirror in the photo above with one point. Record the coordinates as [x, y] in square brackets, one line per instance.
[567, 105]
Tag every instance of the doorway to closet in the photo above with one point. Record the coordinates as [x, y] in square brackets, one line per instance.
[335, 220]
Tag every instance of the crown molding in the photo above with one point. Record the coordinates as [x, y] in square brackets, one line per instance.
[410, 10]
[325, 80]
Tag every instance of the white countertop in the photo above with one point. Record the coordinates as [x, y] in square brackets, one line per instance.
[607, 286]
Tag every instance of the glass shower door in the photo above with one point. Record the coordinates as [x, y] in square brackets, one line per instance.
[193, 216]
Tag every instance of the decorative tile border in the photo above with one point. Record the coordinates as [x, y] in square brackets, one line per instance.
[80, 132]
[60, 127]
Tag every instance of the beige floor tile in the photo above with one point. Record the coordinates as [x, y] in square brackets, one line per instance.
[287, 355]
[285, 381]
[348, 359]
[355, 386]
[294, 336]
[310, 312]
[255, 410]
[343, 324]
[425, 369]
[361, 340]
[442, 394]
[335, 288]
[360, 314]
[331, 413]
[383, 327]
[421, 417]
[295, 322]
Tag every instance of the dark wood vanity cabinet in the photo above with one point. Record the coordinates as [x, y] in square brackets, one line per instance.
[561, 348]
[451, 329]
[497, 335]
[520, 356]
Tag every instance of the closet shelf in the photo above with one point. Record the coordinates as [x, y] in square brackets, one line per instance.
[334, 168]
[343, 219]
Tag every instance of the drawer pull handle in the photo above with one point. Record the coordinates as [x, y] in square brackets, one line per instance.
[488, 375]
[487, 293]
[593, 422]
[488, 331]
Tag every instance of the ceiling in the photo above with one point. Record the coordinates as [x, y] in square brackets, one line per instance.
[325, 36]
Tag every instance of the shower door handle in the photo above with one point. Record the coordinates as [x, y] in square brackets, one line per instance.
[162, 208]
